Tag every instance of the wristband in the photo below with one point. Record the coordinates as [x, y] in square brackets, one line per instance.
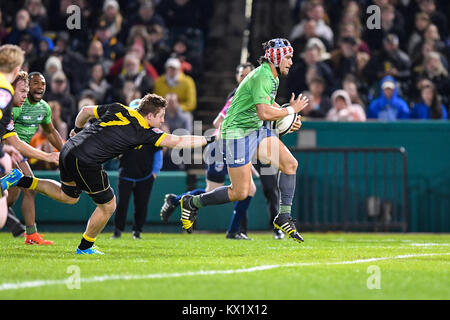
[290, 110]
[76, 129]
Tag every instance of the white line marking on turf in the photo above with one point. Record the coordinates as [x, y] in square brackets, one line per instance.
[42, 283]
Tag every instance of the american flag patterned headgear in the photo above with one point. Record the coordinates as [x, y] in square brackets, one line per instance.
[277, 49]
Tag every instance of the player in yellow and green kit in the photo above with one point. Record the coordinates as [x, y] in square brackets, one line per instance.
[27, 118]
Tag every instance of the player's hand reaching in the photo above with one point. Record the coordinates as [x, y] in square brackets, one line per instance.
[300, 103]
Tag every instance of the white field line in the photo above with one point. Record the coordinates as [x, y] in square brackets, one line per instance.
[42, 283]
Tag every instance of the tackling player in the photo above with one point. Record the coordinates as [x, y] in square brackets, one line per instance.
[244, 136]
[117, 130]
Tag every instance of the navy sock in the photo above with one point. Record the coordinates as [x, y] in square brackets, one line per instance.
[240, 210]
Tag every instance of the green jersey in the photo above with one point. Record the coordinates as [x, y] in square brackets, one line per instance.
[28, 117]
[259, 87]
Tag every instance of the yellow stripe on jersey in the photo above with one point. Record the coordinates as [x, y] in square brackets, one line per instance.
[121, 122]
[4, 84]
[161, 138]
[95, 112]
[9, 134]
[138, 117]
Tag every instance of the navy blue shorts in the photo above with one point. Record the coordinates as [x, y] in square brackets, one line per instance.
[239, 152]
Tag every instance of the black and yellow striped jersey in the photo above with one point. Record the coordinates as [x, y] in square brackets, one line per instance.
[6, 103]
[117, 130]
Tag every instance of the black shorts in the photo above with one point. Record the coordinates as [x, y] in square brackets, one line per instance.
[90, 178]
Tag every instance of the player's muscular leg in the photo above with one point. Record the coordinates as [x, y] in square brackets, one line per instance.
[272, 151]
[13, 195]
[211, 185]
[52, 189]
[100, 217]
[28, 204]
[241, 178]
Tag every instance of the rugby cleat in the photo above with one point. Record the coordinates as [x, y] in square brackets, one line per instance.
[11, 179]
[278, 234]
[36, 238]
[91, 250]
[188, 213]
[286, 224]
[237, 236]
[168, 207]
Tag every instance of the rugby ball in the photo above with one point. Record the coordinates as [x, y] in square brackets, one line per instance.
[282, 126]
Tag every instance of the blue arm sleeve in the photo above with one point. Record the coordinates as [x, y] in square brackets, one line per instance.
[157, 161]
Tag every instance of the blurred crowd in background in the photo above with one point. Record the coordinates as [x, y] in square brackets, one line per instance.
[125, 49]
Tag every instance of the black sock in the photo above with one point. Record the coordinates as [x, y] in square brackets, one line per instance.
[85, 244]
[25, 182]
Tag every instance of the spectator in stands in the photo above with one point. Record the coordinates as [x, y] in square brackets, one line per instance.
[388, 106]
[307, 67]
[38, 13]
[316, 12]
[59, 123]
[320, 102]
[45, 49]
[438, 18]
[95, 55]
[343, 109]
[111, 17]
[430, 107]
[26, 43]
[160, 50]
[138, 49]
[422, 21]
[390, 61]
[132, 72]
[435, 71]
[309, 31]
[354, 31]
[191, 63]
[112, 48]
[146, 16]
[52, 65]
[350, 85]
[176, 118]
[59, 91]
[389, 25]
[175, 81]
[129, 92]
[73, 63]
[97, 82]
[23, 25]
[344, 58]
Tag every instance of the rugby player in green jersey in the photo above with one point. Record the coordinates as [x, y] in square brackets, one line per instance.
[34, 112]
[21, 89]
[244, 136]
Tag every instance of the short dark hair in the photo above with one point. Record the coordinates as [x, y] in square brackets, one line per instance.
[35, 73]
[151, 103]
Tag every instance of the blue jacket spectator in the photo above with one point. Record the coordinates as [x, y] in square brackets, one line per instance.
[24, 26]
[430, 107]
[388, 106]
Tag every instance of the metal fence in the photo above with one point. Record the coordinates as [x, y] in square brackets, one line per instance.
[352, 189]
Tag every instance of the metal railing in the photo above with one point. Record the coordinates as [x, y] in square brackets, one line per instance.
[352, 189]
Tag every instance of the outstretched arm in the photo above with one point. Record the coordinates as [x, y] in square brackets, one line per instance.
[30, 152]
[184, 142]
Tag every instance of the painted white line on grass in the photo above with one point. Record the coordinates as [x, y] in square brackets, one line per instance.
[42, 283]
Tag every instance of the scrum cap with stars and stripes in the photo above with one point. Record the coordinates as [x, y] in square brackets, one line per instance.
[277, 49]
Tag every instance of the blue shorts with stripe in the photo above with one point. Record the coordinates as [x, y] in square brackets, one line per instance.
[239, 152]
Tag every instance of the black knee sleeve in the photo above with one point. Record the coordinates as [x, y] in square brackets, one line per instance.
[71, 191]
[102, 197]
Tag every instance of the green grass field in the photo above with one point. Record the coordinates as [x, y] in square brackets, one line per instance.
[207, 266]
